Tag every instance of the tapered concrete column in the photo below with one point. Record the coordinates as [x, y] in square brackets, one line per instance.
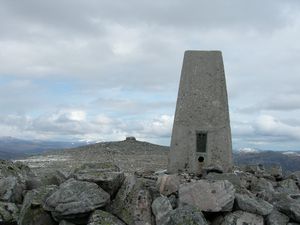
[201, 132]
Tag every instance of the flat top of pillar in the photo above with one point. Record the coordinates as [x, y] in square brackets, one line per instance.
[202, 53]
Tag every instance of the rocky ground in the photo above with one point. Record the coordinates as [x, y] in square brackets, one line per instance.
[109, 191]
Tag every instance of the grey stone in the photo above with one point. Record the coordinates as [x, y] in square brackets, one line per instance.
[173, 200]
[9, 213]
[243, 218]
[186, 215]
[208, 196]
[11, 189]
[213, 168]
[253, 204]
[261, 184]
[75, 199]
[276, 171]
[277, 218]
[32, 212]
[107, 176]
[100, 217]
[231, 177]
[160, 208]
[168, 184]
[132, 203]
[256, 169]
[64, 222]
[290, 206]
[202, 117]
[288, 186]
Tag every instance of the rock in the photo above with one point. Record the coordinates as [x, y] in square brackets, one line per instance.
[243, 218]
[276, 171]
[213, 169]
[231, 177]
[208, 196]
[160, 208]
[11, 190]
[9, 213]
[32, 212]
[253, 204]
[132, 203]
[100, 217]
[261, 184]
[186, 215]
[263, 189]
[173, 200]
[53, 178]
[255, 169]
[290, 206]
[17, 169]
[288, 186]
[168, 184]
[64, 222]
[75, 199]
[277, 218]
[106, 175]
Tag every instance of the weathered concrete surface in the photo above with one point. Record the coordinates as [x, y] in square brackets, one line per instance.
[202, 106]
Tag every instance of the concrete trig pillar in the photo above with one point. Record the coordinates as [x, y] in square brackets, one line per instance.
[201, 132]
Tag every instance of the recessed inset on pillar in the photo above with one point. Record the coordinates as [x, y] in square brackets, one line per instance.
[201, 132]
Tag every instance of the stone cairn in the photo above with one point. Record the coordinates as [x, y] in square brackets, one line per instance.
[101, 194]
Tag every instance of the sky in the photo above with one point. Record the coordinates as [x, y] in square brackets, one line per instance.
[101, 70]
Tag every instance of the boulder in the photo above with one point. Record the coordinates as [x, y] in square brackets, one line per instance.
[11, 189]
[255, 169]
[290, 206]
[173, 200]
[75, 199]
[253, 204]
[106, 175]
[276, 171]
[32, 212]
[9, 213]
[100, 217]
[208, 196]
[132, 203]
[243, 218]
[17, 169]
[277, 218]
[231, 177]
[288, 186]
[187, 215]
[64, 222]
[168, 184]
[161, 206]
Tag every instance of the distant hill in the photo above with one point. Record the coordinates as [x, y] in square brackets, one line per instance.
[13, 148]
[289, 160]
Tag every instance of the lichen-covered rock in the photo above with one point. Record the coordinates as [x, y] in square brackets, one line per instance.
[208, 196]
[75, 199]
[106, 175]
[17, 169]
[168, 184]
[9, 213]
[161, 206]
[243, 218]
[133, 202]
[11, 189]
[186, 215]
[288, 186]
[32, 212]
[290, 206]
[253, 204]
[276, 171]
[277, 218]
[100, 217]
[231, 177]
[64, 222]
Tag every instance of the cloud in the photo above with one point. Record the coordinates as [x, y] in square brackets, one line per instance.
[106, 69]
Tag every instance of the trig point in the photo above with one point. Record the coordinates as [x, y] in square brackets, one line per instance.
[201, 132]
